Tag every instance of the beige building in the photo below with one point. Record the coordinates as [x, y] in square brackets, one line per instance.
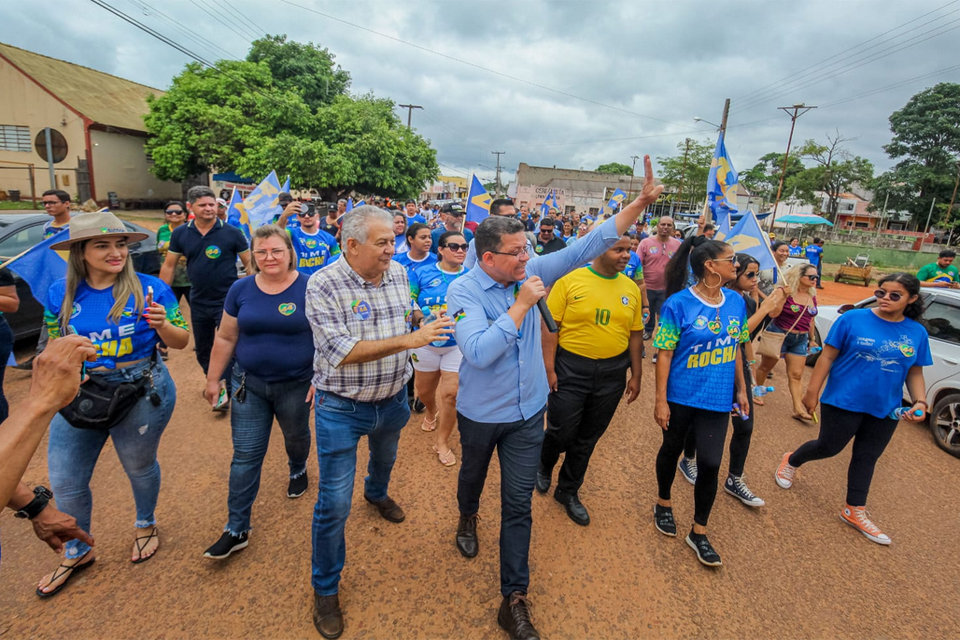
[575, 190]
[97, 123]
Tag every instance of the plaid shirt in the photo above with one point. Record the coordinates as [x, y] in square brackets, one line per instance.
[344, 309]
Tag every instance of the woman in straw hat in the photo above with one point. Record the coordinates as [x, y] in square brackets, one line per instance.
[125, 314]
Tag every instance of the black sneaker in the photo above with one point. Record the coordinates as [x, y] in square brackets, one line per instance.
[688, 469]
[663, 521]
[227, 544]
[543, 480]
[736, 487]
[705, 552]
[297, 486]
[418, 407]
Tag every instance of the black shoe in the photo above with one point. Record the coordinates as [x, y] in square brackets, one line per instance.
[705, 552]
[646, 335]
[543, 480]
[663, 521]
[467, 543]
[388, 508]
[327, 616]
[575, 509]
[418, 407]
[26, 365]
[514, 617]
[298, 486]
[227, 544]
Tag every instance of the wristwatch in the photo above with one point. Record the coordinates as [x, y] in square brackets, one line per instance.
[41, 496]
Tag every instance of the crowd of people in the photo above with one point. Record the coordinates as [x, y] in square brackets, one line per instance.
[359, 316]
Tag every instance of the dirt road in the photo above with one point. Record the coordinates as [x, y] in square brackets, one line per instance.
[791, 569]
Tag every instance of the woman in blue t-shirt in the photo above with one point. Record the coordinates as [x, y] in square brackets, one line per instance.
[439, 366]
[699, 366]
[265, 328]
[869, 355]
[125, 314]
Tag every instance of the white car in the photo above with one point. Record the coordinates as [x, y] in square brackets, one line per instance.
[941, 317]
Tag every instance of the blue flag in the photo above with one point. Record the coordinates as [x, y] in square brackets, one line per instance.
[616, 201]
[478, 202]
[722, 184]
[349, 205]
[286, 185]
[747, 237]
[236, 215]
[41, 266]
[262, 205]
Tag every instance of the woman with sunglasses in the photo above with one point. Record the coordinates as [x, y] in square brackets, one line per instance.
[794, 318]
[265, 326]
[125, 314]
[439, 366]
[746, 285]
[868, 355]
[698, 372]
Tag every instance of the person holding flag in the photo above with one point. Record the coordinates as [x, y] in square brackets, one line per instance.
[314, 249]
[452, 221]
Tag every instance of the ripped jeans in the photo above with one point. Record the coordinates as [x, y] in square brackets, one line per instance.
[72, 453]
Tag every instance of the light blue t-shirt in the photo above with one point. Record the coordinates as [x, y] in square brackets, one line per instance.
[633, 267]
[428, 288]
[704, 339]
[412, 265]
[813, 254]
[314, 251]
[796, 252]
[875, 356]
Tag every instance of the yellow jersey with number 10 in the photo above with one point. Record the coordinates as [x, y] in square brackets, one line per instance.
[596, 314]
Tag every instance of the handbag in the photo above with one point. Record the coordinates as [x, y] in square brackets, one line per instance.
[101, 405]
[770, 343]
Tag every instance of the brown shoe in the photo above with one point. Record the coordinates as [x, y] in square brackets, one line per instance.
[327, 617]
[388, 509]
[514, 617]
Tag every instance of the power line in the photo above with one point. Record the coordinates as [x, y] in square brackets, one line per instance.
[239, 16]
[213, 15]
[891, 86]
[232, 16]
[155, 34]
[147, 9]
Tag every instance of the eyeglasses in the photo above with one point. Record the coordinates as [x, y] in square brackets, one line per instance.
[522, 252]
[50, 203]
[752, 274]
[547, 230]
[731, 259]
[453, 246]
[273, 253]
[173, 212]
[812, 277]
[894, 296]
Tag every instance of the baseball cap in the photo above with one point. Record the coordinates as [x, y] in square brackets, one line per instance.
[452, 208]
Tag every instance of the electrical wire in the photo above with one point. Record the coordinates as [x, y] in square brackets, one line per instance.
[891, 86]
[233, 16]
[155, 34]
[196, 37]
[213, 15]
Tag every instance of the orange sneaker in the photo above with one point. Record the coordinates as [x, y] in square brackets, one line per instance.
[785, 473]
[859, 519]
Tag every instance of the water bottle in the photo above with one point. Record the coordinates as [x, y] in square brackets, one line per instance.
[759, 392]
[900, 412]
[813, 350]
[428, 317]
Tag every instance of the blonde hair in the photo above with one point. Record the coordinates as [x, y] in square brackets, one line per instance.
[792, 278]
[272, 231]
[127, 283]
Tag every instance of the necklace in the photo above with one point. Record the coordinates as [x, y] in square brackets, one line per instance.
[444, 274]
[717, 301]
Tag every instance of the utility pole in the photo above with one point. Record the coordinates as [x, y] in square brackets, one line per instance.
[953, 199]
[883, 214]
[723, 120]
[409, 108]
[927, 226]
[498, 154]
[783, 173]
[683, 171]
[632, 171]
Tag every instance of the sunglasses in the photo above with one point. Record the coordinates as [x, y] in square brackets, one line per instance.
[894, 296]
[812, 277]
[173, 212]
[308, 214]
[752, 274]
[453, 246]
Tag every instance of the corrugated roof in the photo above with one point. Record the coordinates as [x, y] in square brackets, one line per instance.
[103, 98]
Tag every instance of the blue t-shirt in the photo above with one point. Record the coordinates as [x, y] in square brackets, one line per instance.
[428, 288]
[131, 339]
[416, 218]
[813, 254]
[796, 252]
[50, 230]
[275, 342]
[436, 233]
[875, 356]
[414, 265]
[314, 252]
[704, 340]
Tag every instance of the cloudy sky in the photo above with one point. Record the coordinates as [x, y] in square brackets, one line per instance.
[558, 82]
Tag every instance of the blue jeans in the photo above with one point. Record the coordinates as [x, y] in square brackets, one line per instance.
[72, 453]
[794, 344]
[518, 446]
[341, 422]
[655, 298]
[251, 422]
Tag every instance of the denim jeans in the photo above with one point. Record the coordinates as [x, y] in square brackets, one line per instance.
[341, 422]
[518, 447]
[655, 299]
[72, 453]
[251, 422]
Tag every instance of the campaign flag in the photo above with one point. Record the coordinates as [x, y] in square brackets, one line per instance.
[262, 205]
[747, 237]
[237, 215]
[478, 202]
[723, 228]
[617, 200]
[349, 205]
[286, 185]
[721, 184]
[40, 266]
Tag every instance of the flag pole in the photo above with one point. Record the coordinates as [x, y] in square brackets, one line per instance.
[16, 257]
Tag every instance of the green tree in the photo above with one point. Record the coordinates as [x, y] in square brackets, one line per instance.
[763, 178]
[690, 167]
[926, 140]
[835, 170]
[239, 116]
[615, 168]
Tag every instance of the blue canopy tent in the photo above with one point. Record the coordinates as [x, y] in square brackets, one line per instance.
[803, 218]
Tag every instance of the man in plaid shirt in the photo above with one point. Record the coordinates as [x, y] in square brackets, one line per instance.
[360, 311]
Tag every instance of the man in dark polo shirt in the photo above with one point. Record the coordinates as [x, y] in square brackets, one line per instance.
[211, 248]
[547, 241]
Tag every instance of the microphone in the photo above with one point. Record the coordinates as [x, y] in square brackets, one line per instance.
[547, 316]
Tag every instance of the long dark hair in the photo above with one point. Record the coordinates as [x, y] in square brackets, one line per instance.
[693, 251]
[914, 310]
[744, 260]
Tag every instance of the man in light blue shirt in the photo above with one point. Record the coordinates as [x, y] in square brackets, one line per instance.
[503, 383]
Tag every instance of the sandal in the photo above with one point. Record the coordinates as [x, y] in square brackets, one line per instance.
[446, 459]
[68, 570]
[428, 424]
[141, 547]
[758, 401]
[803, 417]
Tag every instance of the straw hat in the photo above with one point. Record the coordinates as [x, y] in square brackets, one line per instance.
[97, 225]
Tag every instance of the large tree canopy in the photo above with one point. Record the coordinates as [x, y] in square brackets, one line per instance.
[286, 108]
[616, 168]
[690, 166]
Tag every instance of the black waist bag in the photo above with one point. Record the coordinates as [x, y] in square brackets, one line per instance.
[102, 405]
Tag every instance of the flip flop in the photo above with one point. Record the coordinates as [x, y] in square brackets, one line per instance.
[141, 547]
[429, 425]
[802, 418]
[757, 401]
[448, 459]
[57, 574]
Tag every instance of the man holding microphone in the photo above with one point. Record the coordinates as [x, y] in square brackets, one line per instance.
[503, 383]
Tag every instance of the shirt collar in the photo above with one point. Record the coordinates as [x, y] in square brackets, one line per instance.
[344, 266]
[486, 282]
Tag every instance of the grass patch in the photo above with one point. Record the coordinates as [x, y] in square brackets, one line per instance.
[27, 205]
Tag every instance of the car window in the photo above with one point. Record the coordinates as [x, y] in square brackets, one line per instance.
[942, 321]
[21, 240]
